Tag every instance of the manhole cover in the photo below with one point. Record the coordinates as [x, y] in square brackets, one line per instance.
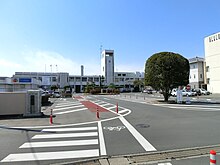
[143, 125]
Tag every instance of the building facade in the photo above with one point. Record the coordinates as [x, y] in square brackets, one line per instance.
[197, 75]
[125, 80]
[107, 66]
[212, 58]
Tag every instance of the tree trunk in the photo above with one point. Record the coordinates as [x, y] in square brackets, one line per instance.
[166, 96]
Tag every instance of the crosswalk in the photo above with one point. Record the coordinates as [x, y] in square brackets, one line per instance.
[66, 142]
[66, 107]
[86, 143]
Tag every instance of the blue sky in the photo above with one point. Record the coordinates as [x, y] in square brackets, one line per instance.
[69, 33]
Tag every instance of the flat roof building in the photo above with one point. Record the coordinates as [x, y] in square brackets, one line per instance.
[212, 58]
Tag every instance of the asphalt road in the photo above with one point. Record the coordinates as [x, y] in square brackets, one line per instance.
[141, 126]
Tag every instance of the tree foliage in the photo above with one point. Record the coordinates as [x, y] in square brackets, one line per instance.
[138, 84]
[165, 71]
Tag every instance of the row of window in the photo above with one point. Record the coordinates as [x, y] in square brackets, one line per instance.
[85, 79]
[194, 76]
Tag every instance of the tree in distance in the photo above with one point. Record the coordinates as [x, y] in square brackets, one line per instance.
[165, 71]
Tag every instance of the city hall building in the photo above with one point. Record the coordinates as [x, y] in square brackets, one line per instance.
[212, 58]
[22, 81]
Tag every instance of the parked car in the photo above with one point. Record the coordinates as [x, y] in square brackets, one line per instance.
[148, 91]
[204, 92]
[188, 93]
[184, 92]
[174, 92]
[56, 94]
[198, 92]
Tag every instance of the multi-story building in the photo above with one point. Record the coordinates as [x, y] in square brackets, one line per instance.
[78, 83]
[197, 75]
[6, 84]
[212, 58]
[21, 81]
[125, 80]
[43, 79]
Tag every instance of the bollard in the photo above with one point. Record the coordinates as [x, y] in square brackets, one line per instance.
[51, 116]
[117, 107]
[97, 113]
[212, 157]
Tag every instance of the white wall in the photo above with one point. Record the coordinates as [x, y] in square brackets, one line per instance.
[212, 56]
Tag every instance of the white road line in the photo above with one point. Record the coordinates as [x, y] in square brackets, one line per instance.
[101, 140]
[143, 142]
[111, 107]
[51, 155]
[105, 104]
[70, 129]
[57, 109]
[195, 108]
[65, 135]
[122, 111]
[164, 164]
[75, 110]
[106, 98]
[182, 105]
[59, 143]
[66, 105]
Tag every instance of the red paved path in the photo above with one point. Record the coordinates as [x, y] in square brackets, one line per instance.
[93, 107]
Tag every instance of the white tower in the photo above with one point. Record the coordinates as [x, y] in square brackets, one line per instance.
[107, 66]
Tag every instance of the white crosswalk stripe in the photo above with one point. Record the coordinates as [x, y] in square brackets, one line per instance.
[48, 143]
[70, 111]
[65, 135]
[51, 155]
[66, 105]
[69, 129]
[57, 109]
[59, 143]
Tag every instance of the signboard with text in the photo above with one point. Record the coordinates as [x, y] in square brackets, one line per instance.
[24, 80]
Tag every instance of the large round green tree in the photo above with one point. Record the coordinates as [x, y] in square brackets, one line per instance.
[165, 71]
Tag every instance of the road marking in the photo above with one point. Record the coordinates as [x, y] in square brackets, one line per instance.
[143, 142]
[104, 104]
[65, 135]
[182, 105]
[113, 106]
[122, 111]
[118, 128]
[59, 143]
[70, 111]
[106, 98]
[164, 164]
[101, 140]
[57, 109]
[196, 108]
[51, 155]
[65, 105]
[70, 129]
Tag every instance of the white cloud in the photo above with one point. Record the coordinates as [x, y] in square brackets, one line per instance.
[39, 61]
[7, 67]
[35, 61]
[129, 68]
